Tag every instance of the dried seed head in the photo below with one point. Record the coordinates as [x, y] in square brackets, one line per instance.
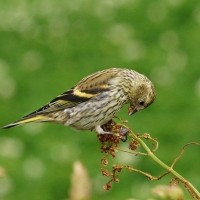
[104, 161]
[134, 144]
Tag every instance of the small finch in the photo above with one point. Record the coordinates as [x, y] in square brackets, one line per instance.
[95, 100]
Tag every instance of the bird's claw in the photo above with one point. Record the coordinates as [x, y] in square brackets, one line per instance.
[105, 129]
[123, 133]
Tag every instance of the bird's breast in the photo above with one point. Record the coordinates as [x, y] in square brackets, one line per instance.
[97, 111]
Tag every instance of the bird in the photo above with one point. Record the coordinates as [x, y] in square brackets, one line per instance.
[95, 100]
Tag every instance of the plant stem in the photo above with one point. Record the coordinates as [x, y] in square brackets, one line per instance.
[192, 190]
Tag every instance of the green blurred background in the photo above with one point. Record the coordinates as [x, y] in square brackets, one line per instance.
[48, 46]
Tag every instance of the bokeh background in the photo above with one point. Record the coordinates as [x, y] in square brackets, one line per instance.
[47, 46]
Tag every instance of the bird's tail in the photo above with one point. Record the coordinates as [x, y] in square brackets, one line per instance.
[28, 119]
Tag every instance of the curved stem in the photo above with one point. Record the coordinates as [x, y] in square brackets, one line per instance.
[193, 191]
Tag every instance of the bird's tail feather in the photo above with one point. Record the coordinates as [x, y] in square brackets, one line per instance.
[28, 119]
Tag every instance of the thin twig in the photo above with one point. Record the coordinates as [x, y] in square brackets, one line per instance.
[191, 189]
[132, 152]
[182, 152]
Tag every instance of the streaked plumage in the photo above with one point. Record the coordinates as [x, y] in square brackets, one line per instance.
[95, 100]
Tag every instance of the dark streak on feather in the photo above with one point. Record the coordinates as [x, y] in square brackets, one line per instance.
[95, 90]
[69, 96]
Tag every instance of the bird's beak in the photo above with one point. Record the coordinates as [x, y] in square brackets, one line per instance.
[132, 109]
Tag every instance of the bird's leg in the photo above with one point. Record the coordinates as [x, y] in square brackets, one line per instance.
[112, 126]
[100, 130]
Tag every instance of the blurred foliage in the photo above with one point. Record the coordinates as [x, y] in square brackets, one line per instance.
[47, 46]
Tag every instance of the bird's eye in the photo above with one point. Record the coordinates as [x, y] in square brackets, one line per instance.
[141, 103]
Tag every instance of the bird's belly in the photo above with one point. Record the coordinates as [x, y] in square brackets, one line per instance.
[89, 122]
[87, 116]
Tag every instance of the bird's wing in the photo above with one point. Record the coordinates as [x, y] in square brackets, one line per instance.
[86, 89]
[61, 102]
[94, 84]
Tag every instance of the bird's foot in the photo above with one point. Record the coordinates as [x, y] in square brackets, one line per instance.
[100, 130]
[123, 133]
[112, 128]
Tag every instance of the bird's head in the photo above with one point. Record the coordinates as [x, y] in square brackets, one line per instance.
[142, 95]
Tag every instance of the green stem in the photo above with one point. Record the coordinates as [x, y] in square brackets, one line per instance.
[193, 191]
